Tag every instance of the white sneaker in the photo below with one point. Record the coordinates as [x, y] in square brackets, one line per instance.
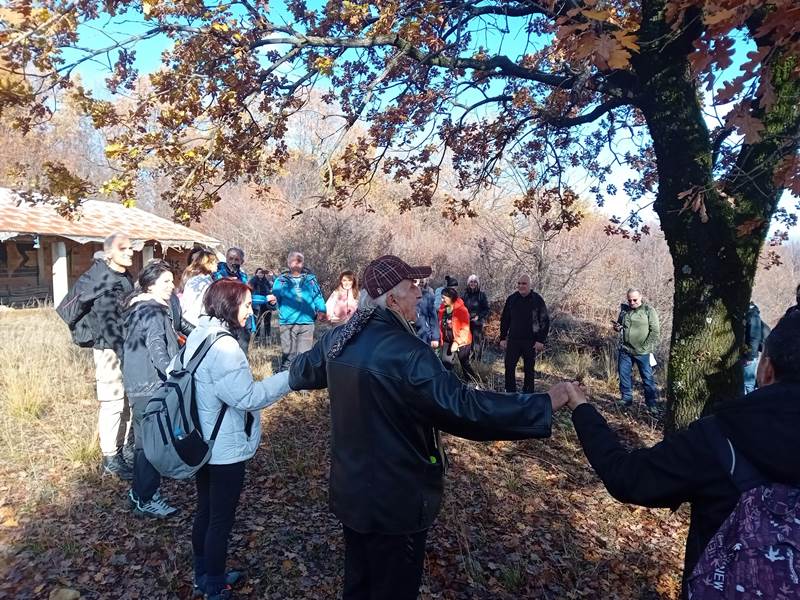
[156, 507]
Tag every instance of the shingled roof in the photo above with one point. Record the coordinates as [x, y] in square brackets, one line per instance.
[95, 222]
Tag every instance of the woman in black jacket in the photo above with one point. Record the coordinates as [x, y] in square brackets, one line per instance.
[761, 428]
[150, 343]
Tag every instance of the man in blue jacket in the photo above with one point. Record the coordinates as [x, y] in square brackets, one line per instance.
[232, 269]
[300, 302]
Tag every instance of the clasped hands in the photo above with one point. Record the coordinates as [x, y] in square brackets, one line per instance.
[568, 393]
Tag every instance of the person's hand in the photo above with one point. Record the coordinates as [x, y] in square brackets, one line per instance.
[434, 343]
[747, 362]
[271, 299]
[538, 346]
[503, 344]
[322, 316]
[559, 395]
[454, 347]
[577, 396]
[617, 326]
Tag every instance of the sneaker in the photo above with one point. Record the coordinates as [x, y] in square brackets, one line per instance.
[232, 578]
[128, 454]
[156, 507]
[115, 465]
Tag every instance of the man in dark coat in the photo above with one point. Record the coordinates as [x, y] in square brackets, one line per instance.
[390, 396]
[762, 427]
[524, 326]
[103, 289]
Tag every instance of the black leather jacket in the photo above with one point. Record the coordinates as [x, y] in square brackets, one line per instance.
[389, 397]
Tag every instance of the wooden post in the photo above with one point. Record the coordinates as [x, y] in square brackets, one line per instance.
[60, 272]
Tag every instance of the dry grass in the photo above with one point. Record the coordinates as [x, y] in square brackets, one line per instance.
[46, 393]
[520, 519]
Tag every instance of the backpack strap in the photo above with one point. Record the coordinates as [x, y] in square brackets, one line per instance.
[191, 367]
[744, 475]
[201, 351]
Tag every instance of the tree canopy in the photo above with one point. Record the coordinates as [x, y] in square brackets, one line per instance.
[698, 99]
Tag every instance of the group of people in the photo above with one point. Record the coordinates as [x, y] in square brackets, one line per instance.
[391, 394]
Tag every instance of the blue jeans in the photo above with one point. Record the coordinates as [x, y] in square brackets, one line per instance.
[645, 370]
[750, 375]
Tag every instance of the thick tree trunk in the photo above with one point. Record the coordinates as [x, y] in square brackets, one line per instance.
[714, 264]
[713, 280]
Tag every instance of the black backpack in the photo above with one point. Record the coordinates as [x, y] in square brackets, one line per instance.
[74, 310]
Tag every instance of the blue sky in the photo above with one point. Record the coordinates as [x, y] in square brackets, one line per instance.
[96, 34]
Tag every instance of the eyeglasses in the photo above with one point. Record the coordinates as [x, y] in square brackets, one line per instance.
[523, 283]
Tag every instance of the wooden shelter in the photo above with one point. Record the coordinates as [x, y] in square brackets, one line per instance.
[43, 253]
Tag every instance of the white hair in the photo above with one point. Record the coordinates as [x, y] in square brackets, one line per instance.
[633, 290]
[367, 301]
[474, 278]
[108, 243]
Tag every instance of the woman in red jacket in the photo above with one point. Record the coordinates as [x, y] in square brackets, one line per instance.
[456, 335]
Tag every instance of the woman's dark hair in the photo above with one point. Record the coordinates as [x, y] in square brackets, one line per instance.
[352, 276]
[782, 346]
[223, 299]
[450, 293]
[150, 274]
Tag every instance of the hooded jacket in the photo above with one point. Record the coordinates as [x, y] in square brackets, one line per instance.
[457, 330]
[150, 344]
[389, 396]
[224, 376]
[763, 426]
[299, 298]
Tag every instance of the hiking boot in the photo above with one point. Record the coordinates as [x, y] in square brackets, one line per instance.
[115, 465]
[232, 578]
[156, 507]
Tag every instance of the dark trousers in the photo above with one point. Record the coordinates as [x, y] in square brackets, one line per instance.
[514, 350]
[218, 491]
[145, 477]
[463, 354]
[383, 567]
[625, 363]
[295, 339]
[476, 328]
[263, 324]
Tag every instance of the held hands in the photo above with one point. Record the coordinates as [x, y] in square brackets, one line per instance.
[322, 316]
[538, 346]
[503, 344]
[569, 393]
[454, 347]
[272, 299]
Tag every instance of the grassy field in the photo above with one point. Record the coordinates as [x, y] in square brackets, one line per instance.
[520, 519]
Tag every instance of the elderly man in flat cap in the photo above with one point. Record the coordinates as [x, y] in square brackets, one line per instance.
[390, 397]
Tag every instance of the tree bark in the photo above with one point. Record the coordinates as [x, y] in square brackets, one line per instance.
[714, 267]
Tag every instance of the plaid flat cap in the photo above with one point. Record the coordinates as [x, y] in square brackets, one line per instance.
[383, 273]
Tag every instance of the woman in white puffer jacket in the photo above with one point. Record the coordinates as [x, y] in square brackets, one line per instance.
[224, 377]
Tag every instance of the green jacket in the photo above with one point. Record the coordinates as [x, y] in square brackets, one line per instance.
[640, 329]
